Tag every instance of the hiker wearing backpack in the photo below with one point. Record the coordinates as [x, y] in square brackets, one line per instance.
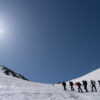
[85, 85]
[71, 86]
[78, 84]
[64, 85]
[99, 82]
[93, 86]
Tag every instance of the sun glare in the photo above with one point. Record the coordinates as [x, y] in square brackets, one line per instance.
[1, 31]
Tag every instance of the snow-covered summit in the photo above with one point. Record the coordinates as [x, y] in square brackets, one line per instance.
[94, 75]
[6, 71]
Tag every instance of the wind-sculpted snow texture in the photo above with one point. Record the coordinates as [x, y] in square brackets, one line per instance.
[12, 88]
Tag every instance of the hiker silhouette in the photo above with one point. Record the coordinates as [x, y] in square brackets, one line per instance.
[64, 85]
[93, 86]
[99, 82]
[85, 85]
[71, 86]
[79, 86]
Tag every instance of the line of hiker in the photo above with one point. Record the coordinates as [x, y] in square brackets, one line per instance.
[79, 85]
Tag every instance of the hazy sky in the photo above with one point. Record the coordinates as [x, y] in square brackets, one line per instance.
[50, 40]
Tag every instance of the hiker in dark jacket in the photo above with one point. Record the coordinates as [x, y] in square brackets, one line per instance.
[93, 86]
[85, 85]
[79, 86]
[64, 85]
[71, 86]
[99, 82]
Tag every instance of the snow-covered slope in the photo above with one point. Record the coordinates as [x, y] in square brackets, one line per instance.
[12, 88]
[95, 75]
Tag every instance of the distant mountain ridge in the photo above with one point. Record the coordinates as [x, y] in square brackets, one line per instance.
[9, 72]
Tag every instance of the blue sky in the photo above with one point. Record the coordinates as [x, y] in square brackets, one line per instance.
[50, 40]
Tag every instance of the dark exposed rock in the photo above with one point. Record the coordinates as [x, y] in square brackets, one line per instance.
[12, 73]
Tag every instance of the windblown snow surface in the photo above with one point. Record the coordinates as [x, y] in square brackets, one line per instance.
[12, 88]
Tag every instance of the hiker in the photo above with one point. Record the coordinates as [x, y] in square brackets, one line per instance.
[85, 85]
[71, 86]
[64, 85]
[93, 86]
[99, 82]
[79, 86]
